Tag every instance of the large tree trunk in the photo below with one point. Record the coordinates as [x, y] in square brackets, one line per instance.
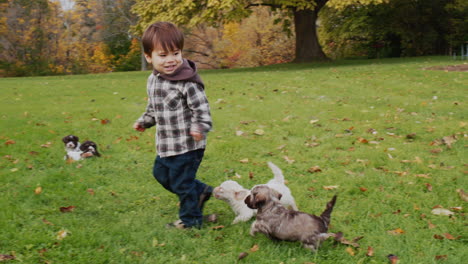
[308, 48]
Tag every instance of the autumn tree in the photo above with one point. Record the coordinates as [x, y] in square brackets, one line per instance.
[302, 13]
[29, 36]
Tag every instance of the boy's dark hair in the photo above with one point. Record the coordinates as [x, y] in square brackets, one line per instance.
[163, 35]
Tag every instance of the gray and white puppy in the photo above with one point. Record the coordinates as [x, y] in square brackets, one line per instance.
[277, 222]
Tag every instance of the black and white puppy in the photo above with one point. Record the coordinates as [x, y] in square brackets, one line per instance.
[72, 143]
[277, 222]
[89, 149]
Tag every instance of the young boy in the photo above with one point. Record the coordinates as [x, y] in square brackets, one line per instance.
[177, 104]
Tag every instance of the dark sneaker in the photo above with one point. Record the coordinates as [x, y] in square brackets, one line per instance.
[204, 197]
[177, 224]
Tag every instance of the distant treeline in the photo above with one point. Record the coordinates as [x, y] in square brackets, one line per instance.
[39, 38]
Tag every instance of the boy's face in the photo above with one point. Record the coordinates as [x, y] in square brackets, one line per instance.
[165, 62]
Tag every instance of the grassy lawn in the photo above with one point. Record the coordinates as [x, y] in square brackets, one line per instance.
[370, 131]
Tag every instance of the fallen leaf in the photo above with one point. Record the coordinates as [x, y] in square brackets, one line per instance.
[442, 211]
[431, 225]
[288, 160]
[314, 169]
[441, 257]
[428, 186]
[254, 248]
[393, 259]
[363, 189]
[423, 176]
[105, 121]
[6, 257]
[449, 236]
[330, 187]
[246, 160]
[436, 236]
[46, 222]
[449, 140]
[397, 231]
[350, 251]
[411, 136]
[239, 133]
[38, 190]
[436, 151]
[217, 227]
[463, 195]
[62, 234]
[67, 209]
[259, 132]
[242, 255]
[90, 191]
[370, 252]
[251, 175]
[313, 121]
[362, 140]
[46, 145]
[10, 142]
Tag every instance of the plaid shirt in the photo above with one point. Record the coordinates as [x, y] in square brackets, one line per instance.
[177, 108]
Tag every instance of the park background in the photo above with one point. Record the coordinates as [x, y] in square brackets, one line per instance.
[44, 37]
[370, 115]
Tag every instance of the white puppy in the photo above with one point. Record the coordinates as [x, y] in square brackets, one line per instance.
[234, 194]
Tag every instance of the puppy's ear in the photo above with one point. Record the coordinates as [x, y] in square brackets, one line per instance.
[277, 194]
[240, 195]
[248, 202]
[259, 200]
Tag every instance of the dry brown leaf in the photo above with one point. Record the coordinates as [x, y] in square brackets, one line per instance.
[362, 140]
[423, 176]
[46, 145]
[436, 236]
[463, 195]
[10, 142]
[90, 191]
[259, 132]
[314, 169]
[363, 189]
[6, 257]
[288, 160]
[254, 248]
[67, 209]
[46, 222]
[217, 227]
[397, 231]
[436, 151]
[442, 211]
[393, 259]
[449, 140]
[330, 187]
[38, 190]
[242, 255]
[431, 225]
[62, 234]
[350, 251]
[428, 186]
[246, 160]
[449, 236]
[105, 121]
[370, 252]
[441, 257]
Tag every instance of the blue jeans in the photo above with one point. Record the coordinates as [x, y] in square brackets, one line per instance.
[177, 175]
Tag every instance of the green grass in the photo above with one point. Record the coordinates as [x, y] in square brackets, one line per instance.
[121, 210]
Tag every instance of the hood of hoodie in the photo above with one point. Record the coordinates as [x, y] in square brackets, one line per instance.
[186, 72]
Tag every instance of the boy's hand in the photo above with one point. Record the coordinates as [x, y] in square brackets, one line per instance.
[196, 135]
[137, 126]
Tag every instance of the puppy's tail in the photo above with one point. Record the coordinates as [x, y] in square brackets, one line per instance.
[279, 177]
[327, 213]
